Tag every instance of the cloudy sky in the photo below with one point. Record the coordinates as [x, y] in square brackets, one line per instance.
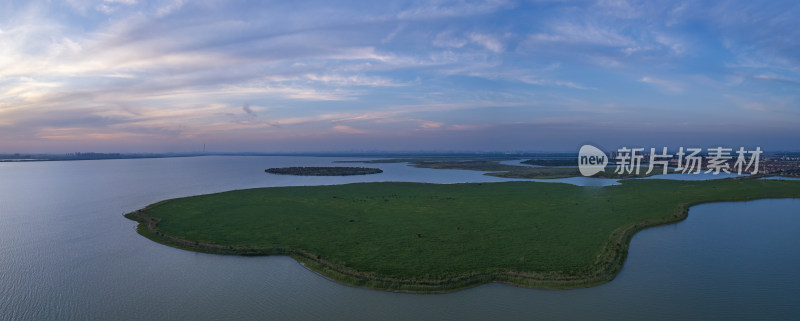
[268, 76]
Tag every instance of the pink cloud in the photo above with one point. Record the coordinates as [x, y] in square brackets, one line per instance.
[348, 129]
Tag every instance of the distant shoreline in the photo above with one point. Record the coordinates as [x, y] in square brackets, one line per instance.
[44, 157]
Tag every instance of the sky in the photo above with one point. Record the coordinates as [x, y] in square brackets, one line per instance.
[297, 76]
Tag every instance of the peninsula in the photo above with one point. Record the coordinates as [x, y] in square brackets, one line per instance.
[418, 237]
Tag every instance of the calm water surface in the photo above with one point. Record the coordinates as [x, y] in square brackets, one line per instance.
[66, 253]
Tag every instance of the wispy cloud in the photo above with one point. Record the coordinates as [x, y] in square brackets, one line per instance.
[492, 43]
[572, 33]
[449, 9]
[775, 78]
[667, 85]
[467, 127]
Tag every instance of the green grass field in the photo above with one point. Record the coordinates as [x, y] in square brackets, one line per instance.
[429, 237]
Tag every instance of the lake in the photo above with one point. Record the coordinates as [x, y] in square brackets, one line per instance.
[66, 253]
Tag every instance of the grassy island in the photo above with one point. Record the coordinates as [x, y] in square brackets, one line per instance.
[434, 238]
[324, 171]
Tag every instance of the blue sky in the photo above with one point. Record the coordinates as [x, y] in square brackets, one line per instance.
[157, 76]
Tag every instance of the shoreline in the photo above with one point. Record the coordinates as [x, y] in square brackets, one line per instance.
[606, 267]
